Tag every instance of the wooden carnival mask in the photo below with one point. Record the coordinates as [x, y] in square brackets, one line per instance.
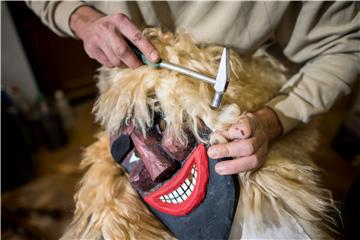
[178, 182]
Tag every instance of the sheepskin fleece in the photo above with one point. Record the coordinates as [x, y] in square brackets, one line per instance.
[285, 193]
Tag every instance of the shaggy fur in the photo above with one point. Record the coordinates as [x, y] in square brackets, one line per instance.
[284, 192]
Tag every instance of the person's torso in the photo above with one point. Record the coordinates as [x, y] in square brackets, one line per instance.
[241, 25]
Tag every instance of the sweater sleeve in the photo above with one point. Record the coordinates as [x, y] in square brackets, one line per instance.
[325, 39]
[56, 14]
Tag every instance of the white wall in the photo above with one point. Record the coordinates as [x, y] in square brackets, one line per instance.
[15, 69]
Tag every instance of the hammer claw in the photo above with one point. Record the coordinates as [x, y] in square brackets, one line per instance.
[222, 78]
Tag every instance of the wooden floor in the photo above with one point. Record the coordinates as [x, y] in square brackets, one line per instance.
[42, 208]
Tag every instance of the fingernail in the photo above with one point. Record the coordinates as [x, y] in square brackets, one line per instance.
[154, 56]
[219, 169]
[212, 152]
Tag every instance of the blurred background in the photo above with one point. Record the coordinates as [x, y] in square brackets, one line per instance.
[47, 93]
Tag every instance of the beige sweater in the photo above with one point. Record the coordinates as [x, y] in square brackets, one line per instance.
[323, 38]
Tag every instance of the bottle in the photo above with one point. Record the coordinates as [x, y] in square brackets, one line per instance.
[64, 109]
[53, 130]
[18, 99]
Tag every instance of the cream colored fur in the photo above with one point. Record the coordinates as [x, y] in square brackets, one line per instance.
[285, 191]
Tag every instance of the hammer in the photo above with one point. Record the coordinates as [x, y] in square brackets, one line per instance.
[220, 82]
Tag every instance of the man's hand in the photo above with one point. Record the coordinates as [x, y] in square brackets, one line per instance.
[248, 142]
[104, 38]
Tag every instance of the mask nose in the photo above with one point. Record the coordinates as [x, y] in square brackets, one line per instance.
[159, 167]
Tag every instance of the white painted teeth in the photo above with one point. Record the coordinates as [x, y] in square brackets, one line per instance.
[192, 187]
[184, 191]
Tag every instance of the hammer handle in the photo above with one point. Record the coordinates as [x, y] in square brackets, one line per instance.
[172, 67]
[187, 72]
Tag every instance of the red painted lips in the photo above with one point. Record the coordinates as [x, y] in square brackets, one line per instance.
[186, 189]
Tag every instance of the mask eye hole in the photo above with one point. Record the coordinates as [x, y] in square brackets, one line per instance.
[162, 125]
[136, 153]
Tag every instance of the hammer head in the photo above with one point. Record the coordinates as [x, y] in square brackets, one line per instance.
[222, 78]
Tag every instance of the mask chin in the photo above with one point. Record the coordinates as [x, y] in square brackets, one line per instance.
[213, 217]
